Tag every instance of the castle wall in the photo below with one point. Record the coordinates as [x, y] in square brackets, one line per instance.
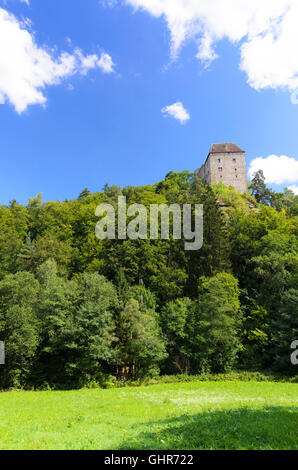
[230, 168]
[204, 172]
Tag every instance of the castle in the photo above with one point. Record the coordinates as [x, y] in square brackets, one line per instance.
[226, 163]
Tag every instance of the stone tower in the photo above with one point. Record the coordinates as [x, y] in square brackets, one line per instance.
[226, 163]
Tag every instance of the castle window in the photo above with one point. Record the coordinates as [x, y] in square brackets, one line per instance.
[219, 160]
[220, 168]
[234, 160]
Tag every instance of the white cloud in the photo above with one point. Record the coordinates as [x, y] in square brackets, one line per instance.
[264, 30]
[177, 111]
[106, 63]
[278, 170]
[22, 1]
[294, 188]
[108, 3]
[86, 63]
[27, 69]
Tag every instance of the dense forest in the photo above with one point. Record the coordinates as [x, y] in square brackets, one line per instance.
[74, 309]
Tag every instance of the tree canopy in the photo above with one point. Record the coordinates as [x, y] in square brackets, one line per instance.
[74, 309]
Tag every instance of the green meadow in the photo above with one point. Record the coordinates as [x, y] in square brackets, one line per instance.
[197, 415]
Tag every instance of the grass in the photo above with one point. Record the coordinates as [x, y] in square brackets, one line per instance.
[198, 415]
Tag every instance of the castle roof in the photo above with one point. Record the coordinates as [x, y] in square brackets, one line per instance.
[226, 148]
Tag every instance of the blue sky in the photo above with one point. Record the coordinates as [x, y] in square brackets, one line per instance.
[86, 87]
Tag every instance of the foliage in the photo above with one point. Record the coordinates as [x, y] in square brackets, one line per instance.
[74, 309]
[141, 347]
[259, 190]
[216, 325]
[18, 326]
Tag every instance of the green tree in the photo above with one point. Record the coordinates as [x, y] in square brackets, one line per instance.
[216, 338]
[285, 332]
[84, 193]
[141, 347]
[77, 327]
[259, 190]
[176, 321]
[18, 327]
[256, 351]
[91, 336]
[57, 301]
[13, 229]
[214, 256]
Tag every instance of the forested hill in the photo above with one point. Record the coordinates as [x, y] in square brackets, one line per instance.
[74, 308]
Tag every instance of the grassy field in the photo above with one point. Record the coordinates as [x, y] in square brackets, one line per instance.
[199, 415]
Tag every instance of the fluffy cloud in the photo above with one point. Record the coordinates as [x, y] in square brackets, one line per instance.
[177, 111]
[294, 188]
[106, 63]
[26, 69]
[278, 170]
[265, 31]
[86, 63]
